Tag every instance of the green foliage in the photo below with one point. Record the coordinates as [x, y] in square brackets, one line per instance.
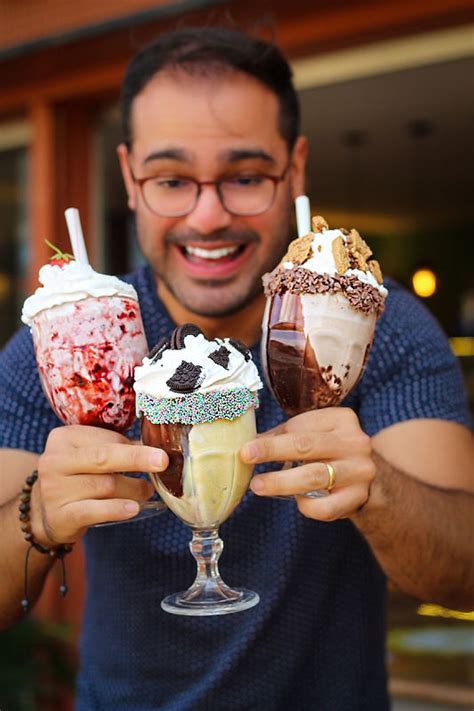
[36, 665]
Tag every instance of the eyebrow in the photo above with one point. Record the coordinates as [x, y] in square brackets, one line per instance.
[233, 155]
[170, 154]
[237, 154]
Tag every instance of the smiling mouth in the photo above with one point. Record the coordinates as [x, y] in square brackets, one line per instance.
[219, 255]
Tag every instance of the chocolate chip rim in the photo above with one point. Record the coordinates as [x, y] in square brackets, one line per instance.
[362, 297]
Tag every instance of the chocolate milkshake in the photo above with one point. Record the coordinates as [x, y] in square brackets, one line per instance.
[323, 301]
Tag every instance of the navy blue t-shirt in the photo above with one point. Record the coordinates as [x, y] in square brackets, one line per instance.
[316, 639]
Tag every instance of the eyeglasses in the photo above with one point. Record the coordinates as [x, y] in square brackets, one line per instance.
[240, 194]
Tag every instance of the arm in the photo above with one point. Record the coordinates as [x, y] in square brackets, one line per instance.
[418, 524]
[79, 485]
[15, 465]
[419, 520]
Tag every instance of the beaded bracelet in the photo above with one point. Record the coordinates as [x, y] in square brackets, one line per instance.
[56, 552]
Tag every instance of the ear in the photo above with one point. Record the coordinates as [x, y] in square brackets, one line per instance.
[297, 166]
[122, 153]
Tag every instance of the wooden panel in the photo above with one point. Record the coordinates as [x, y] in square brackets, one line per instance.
[41, 190]
[86, 67]
[356, 24]
[59, 176]
[27, 21]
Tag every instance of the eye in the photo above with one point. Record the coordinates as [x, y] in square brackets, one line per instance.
[244, 181]
[171, 183]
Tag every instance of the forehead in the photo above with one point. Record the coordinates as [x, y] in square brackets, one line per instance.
[205, 114]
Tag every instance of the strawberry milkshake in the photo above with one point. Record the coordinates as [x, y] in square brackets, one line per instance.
[88, 337]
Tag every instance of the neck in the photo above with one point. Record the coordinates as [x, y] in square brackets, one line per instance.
[244, 325]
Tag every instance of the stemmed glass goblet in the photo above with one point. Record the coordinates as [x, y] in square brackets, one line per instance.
[203, 484]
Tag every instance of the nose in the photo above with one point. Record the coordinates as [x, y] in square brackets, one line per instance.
[209, 214]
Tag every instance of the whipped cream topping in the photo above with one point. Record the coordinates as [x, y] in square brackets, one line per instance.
[322, 260]
[71, 282]
[152, 376]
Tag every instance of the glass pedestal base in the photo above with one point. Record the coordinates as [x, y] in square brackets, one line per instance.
[191, 603]
[208, 595]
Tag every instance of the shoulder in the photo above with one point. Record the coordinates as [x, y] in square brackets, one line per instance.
[407, 329]
[412, 372]
[25, 415]
[18, 352]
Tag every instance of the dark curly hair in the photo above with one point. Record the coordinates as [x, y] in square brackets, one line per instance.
[211, 51]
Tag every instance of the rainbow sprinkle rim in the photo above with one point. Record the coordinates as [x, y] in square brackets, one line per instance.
[195, 408]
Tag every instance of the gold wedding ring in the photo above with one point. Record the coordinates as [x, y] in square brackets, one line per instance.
[332, 476]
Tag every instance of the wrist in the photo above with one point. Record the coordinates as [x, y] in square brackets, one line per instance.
[54, 552]
[37, 524]
[376, 497]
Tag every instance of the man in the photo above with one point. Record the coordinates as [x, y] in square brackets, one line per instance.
[202, 106]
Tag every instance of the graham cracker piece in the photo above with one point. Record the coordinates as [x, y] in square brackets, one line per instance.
[374, 268]
[357, 244]
[318, 223]
[359, 249]
[340, 255]
[358, 261]
[299, 250]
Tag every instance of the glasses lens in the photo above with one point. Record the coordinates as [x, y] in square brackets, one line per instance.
[170, 196]
[247, 194]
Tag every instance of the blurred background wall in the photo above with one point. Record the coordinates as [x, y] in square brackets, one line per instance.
[386, 90]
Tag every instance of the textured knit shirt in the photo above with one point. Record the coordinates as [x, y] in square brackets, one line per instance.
[316, 639]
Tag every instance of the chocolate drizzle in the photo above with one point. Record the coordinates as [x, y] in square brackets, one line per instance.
[363, 297]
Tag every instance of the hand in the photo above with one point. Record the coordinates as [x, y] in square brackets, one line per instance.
[78, 484]
[331, 435]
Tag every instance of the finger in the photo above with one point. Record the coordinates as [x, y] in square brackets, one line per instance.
[338, 504]
[97, 458]
[83, 435]
[298, 445]
[108, 486]
[325, 420]
[88, 512]
[300, 480]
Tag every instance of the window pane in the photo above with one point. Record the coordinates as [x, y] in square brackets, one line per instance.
[117, 251]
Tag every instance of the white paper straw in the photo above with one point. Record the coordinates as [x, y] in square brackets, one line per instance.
[75, 235]
[303, 215]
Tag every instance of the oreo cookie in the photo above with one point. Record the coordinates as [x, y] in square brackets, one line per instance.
[186, 378]
[221, 357]
[241, 347]
[180, 333]
[158, 350]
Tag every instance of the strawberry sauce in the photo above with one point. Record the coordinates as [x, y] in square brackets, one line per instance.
[86, 352]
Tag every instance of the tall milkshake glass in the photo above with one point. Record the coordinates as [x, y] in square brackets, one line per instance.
[88, 336]
[323, 301]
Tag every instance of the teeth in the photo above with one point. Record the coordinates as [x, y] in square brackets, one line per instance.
[211, 253]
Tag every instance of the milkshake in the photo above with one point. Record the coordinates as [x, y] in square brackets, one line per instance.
[88, 336]
[196, 399]
[323, 301]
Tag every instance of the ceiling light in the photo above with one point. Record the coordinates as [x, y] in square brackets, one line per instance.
[424, 282]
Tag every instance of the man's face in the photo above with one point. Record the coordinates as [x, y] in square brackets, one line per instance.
[205, 128]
